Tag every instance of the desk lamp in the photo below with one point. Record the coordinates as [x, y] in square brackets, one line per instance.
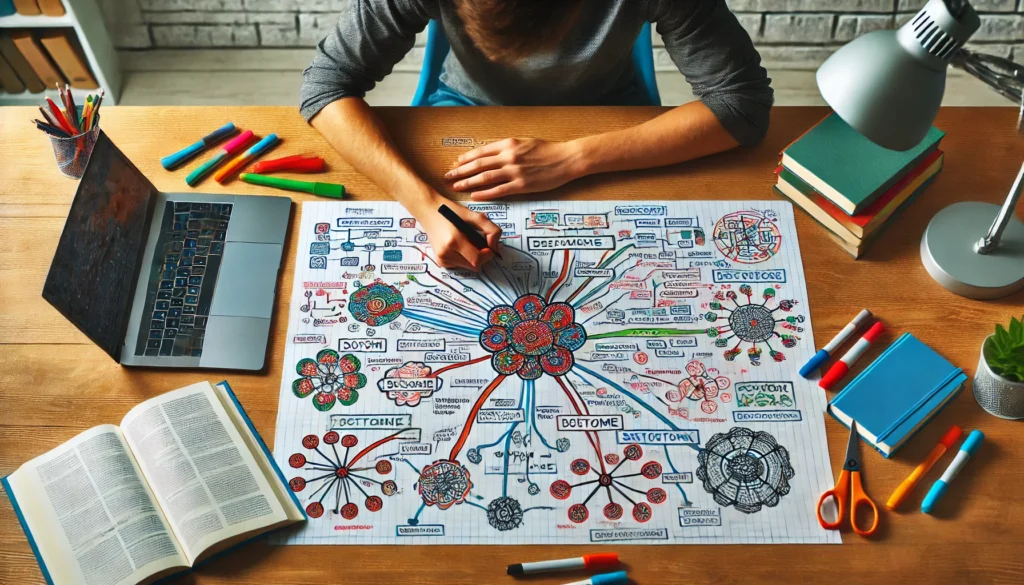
[888, 85]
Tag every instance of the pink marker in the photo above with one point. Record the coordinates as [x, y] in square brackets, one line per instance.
[842, 367]
[229, 149]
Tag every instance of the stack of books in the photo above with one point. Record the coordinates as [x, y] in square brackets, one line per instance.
[852, 186]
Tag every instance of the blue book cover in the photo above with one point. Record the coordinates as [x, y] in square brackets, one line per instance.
[6, 7]
[898, 394]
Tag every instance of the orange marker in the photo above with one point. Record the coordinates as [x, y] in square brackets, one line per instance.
[904, 489]
[243, 159]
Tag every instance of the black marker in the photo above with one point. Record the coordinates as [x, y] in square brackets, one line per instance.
[474, 237]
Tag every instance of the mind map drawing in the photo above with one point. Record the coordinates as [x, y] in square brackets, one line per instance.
[626, 374]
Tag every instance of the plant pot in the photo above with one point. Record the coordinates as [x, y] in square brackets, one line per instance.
[997, 395]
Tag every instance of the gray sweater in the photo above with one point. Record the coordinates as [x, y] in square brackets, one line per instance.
[591, 66]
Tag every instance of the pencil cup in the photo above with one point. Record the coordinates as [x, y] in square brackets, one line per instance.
[73, 153]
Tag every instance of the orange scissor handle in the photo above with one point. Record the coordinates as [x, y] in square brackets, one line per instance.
[860, 497]
[848, 488]
[839, 494]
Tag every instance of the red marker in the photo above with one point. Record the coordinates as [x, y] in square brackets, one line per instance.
[595, 562]
[842, 367]
[295, 164]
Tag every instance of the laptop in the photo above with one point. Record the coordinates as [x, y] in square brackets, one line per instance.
[167, 279]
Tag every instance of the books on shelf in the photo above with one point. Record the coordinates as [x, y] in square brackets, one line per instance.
[40, 59]
[9, 81]
[62, 47]
[851, 186]
[27, 7]
[183, 477]
[44, 68]
[21, 66]
[51, 7]
[898, 394]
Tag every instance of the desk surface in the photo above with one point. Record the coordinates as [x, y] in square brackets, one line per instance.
[54, 383]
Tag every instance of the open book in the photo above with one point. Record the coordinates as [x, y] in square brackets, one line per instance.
[184, 477]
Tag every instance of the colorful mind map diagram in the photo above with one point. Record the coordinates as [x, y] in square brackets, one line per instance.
[627, 373]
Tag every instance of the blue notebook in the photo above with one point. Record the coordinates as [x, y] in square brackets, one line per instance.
[898, 394]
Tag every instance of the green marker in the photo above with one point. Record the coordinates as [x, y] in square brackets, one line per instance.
[321, 189]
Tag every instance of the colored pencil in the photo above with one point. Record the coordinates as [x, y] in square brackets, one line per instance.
[50, 129]
[60, 117]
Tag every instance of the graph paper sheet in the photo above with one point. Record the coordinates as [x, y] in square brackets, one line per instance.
[626, 374]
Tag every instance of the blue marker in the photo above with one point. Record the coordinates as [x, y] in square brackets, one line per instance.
[824, 353]
[962, 457]
[617, 578]
[183, 155]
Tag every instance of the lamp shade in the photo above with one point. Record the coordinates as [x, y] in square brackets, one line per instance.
[888, 84]
[881, 91]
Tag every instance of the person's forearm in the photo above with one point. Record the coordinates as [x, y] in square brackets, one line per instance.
[687, 132]
[352, 128]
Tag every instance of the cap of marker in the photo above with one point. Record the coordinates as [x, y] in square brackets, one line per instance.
[842, 367]
[594, 562]
[616, 578]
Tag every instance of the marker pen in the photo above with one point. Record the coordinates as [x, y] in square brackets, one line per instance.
[594, 562]
[617, 578]
[824, 353]
[964, 455]
[842, 367]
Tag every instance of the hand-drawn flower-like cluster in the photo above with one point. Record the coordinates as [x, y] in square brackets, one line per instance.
[333, 378]
[531, 337]
[745, 469]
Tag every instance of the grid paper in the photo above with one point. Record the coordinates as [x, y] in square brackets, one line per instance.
[627, 374]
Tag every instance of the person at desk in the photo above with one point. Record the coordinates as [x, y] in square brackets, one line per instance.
[534, 52]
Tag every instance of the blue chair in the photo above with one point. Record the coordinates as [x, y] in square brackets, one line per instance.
[437, 49]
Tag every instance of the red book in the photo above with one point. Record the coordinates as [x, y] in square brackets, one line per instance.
[874, 215]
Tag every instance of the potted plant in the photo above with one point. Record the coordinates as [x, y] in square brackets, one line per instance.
[999, 382]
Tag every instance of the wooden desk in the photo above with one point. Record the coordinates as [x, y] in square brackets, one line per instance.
[54, 383]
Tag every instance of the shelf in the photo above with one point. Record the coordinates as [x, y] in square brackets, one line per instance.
[37, 99]
[22, 21]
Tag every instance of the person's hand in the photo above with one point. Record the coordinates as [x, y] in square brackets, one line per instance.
[451, 248]
[515, 165]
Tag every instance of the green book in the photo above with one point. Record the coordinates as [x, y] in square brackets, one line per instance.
[847, 168]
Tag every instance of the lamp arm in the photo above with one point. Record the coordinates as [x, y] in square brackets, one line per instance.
[1007, 78]
[999, 73]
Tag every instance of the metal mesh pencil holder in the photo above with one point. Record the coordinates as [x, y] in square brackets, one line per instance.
[73, 153]
[998, 396]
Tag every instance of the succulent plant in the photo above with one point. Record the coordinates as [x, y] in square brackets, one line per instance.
[1004, 351]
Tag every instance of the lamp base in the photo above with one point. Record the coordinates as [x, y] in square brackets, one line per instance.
[947, 250]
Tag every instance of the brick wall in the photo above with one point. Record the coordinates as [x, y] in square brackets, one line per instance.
[787, 32]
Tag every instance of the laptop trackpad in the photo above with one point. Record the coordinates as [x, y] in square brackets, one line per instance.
[238, 343]
[247, 280]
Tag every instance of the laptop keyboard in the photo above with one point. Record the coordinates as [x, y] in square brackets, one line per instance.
[182, 278]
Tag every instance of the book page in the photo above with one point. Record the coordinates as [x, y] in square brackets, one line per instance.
[260, 453]
[626, 373]
[201, 470]
[94, 519]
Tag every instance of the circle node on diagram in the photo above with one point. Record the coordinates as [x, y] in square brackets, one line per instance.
[745, 469]
[531, 338]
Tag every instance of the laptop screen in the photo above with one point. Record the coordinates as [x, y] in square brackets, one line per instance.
[94, 270]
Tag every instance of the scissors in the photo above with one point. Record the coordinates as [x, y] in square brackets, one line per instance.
[847, 485]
